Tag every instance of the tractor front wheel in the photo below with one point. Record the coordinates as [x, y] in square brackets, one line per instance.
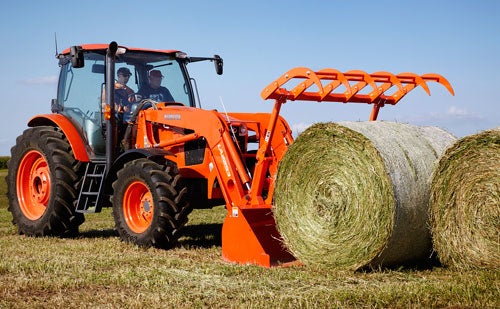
[149, 203]
[41, 184]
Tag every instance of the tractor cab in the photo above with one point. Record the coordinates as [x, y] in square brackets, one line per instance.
[81, 95]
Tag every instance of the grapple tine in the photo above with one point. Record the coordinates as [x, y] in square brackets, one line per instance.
[300, 88]
[364, 79]
[388, 79]
[413, 80]
[439, 79]
[337, 77]
[299, 72]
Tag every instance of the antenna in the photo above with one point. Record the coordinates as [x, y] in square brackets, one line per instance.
[55, 39]
[225, 111]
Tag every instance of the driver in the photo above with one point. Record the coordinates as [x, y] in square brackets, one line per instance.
[124, 95]
[154, 90]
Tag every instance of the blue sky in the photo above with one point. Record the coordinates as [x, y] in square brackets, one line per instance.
[259, 41]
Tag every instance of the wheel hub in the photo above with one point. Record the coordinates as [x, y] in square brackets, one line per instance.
[40, 185]
[146, 206]
[138, 207]
[33, 184]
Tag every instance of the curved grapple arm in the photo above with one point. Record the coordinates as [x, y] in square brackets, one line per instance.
[355, 86]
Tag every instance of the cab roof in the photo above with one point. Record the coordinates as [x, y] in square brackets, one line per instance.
[103, 47]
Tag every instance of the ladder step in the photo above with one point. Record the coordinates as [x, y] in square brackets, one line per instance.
[91, 187]
[95, 175]
[90, 193]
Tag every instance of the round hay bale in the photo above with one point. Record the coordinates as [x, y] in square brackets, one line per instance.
[465, 203]
[356, 194]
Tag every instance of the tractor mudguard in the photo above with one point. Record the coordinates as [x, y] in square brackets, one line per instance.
[76, 141]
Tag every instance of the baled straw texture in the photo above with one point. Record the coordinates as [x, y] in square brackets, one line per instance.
[356, 194]
[465, 203]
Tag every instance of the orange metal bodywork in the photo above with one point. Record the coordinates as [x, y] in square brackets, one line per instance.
[101, 47]
[320, 86]
[76, 141]
[249, 234]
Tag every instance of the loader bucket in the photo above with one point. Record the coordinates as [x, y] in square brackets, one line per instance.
[249, 236]
[379, 88]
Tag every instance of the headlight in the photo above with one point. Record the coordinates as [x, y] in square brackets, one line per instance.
[243, 130]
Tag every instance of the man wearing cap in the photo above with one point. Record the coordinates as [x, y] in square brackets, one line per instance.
[155, 90]
[123, 93]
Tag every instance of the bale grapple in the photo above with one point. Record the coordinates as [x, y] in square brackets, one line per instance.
[379, 88]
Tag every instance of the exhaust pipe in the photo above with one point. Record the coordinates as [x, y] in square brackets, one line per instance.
[111, 130]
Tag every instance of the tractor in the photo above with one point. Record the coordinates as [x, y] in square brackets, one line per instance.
[158, 159]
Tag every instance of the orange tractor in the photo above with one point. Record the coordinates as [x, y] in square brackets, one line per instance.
[154, 158]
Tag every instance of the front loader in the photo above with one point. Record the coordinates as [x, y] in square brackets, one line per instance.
[155, 160]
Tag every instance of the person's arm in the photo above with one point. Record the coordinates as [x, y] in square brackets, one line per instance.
[167, 96]
[121, 99]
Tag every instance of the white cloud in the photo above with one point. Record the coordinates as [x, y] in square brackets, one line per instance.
[458, 120]
[451, 114]
[298, 128]
[43, 80]
[456, 112]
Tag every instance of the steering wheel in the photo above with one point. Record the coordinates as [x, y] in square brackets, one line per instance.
[172, 103]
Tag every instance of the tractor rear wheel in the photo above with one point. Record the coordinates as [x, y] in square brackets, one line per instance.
[41, 184]
[149, 203]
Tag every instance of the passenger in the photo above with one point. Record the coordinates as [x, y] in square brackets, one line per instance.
[154, 90]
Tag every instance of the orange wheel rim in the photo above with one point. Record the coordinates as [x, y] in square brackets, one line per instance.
[33, 185]
[138, 207]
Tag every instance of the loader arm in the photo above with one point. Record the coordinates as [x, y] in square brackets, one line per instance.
[240, 187]
[175, 121]
[249, 232]
[268, 159]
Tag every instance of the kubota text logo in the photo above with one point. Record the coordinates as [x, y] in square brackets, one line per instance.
[224, 160]
[172, 117]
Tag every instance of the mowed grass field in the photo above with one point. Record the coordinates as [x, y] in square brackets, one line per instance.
[97, 270]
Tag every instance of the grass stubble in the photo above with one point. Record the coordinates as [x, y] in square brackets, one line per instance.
[97, 270]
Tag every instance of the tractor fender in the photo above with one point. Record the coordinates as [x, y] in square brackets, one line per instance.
[76, 141]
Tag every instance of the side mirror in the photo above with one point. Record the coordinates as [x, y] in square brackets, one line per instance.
[55, 107]
[219, 64]
[76, 54]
